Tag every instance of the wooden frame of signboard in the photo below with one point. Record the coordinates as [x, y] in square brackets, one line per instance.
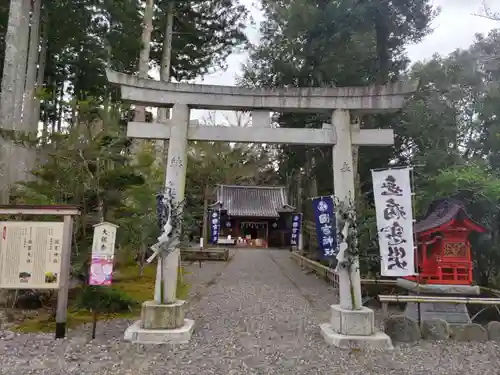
[67, 212]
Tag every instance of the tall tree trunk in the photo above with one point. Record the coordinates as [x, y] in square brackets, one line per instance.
[22, 61]
[40, 78]
[60, 106]
[300, 207]
[205, 216]
[142, 257]
[32, 68]
[166, 58]
[76, 95]
[140, 111]
[382, 39]
[299, 190]
[144, 56]
[101, 213]
[312, 184]
[166, 63]
[21, 153]
[53, 109]
[355, 127]
[29, 94]
[12, 63]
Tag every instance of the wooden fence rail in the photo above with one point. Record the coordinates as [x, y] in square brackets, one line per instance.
[330, 275]
[323, 271]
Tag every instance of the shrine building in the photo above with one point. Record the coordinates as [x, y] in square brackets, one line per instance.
[444, 255]
[254, 216]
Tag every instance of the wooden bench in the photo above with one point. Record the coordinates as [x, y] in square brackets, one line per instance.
[386, 299]
[208, 254]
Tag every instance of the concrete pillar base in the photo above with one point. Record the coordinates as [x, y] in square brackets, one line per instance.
[138, 335]
[158, 316]
[161, 324]
[350, 329]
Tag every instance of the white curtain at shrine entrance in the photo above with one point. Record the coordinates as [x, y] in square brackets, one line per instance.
[393, 204]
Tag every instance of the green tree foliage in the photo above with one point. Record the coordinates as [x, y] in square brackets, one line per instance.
[341, 43]
[137, 216]
[317, 42]
[83, 151]
[84, 37]
[454, 118]
[87, 166]
[451, 129]
[205, 33]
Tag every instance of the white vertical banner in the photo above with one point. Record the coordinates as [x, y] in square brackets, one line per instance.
[393, 205]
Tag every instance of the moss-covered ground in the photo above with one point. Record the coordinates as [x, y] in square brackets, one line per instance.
[127, 281]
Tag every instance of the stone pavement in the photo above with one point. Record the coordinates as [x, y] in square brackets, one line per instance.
[257, 314]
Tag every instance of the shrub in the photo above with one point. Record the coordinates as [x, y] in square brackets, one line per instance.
[104, 299]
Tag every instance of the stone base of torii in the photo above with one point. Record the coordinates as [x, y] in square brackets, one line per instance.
[351, 325]
[350, 329]
[163, 323]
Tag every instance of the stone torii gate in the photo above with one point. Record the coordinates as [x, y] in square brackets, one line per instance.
[351, 324]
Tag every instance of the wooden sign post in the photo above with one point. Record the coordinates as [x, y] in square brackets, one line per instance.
[101, 264]
[37, 255]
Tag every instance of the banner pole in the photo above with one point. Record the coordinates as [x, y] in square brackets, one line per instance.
[219, 226]
[301, 240]
[415, 241]
[396, 167]
[319, 196]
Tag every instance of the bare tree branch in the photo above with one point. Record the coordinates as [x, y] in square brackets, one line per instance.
[487, 12]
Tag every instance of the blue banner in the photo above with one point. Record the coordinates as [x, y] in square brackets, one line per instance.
[326, 232]
[214, 223]
[296, 224]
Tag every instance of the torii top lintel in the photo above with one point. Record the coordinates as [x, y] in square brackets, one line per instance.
[377, 98]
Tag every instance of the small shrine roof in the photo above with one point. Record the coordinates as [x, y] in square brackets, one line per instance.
[441, 212]
[252, 201]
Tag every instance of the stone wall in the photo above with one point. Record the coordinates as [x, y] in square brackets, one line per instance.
[404, 329]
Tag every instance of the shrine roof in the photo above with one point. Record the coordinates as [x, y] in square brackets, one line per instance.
[253, 201]
[441, 212]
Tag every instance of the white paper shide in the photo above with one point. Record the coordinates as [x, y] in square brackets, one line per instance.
[393, 204]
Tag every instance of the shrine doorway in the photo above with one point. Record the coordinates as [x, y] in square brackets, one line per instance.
[256, 233]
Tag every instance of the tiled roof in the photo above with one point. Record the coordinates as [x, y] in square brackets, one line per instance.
[440, 212]
[255, 201]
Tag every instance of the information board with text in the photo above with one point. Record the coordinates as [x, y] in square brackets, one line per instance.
[30, 254]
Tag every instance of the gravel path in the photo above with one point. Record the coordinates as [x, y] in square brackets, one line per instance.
[257, 315]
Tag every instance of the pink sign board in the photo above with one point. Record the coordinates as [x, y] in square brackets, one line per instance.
[101, 270]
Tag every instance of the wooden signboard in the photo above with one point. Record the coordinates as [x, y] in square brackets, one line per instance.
[30, 254]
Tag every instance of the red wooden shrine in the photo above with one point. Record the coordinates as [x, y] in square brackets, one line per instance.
[443, 253]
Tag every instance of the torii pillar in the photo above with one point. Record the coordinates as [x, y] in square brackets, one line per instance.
[351, 324]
